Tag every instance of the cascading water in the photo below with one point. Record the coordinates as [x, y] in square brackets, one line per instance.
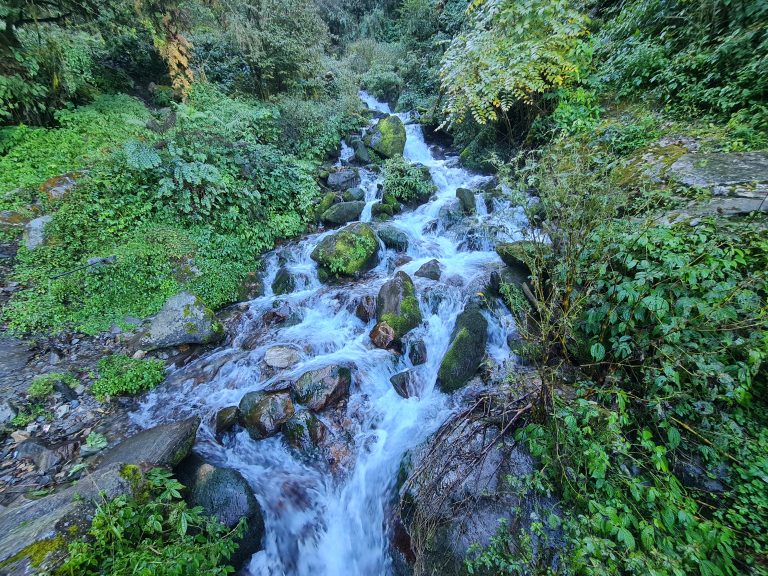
[320, 521]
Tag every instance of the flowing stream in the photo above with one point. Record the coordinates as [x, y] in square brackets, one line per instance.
[322, 521]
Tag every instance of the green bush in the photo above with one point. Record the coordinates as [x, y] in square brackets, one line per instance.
[405, 182]
[43, 385]
[120, 375]
[152, 532]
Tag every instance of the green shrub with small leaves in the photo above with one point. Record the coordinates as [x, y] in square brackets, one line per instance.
[152, 532]
[406, 182]
[120, 375]
[43, 385]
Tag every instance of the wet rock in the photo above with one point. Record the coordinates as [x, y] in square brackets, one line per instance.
[284, 282]
[34, 535]
[467, 349]
[361, 152]
[164, 445]
[281, 357]
[417, 352]
[455, 280]
[450, 213]
[365, 309]
[321, 388]
[280, 312]
[387, 137]
[743, 174]
[349, 251]
[402, 382]
[401, 260]
[397, 304]
[343, 212]
[343, 179]
[355, 194]
[264, 413]
[305, 432]
[226, 495]
[225, 419]
[184, 319]
[7, 413]
[383, 336]
[34, 231]
[381, 211]
[467, 200]
[58, 187]
[519, 255]
[429, 270]
[393, 238]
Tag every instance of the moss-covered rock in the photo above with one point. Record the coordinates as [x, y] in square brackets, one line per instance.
[305, 432]
[467, 349]
[321, 388]
[387, 138]
[184, 319]
[263, 413]
[326, 202]
[397, 304]
[343, 212]
[284, 282]
[393, 238]
[349, 251]
[467, 199]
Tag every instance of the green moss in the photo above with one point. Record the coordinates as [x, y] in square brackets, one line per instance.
[348, 251]
[326, 202]
[36, 553]
[388, 139]
[409, 317]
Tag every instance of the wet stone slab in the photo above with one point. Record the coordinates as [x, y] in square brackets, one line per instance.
[742, 174]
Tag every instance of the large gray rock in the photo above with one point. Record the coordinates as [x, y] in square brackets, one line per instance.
[343, 212]
[34, 231]
[34, 535]
[281, 357]
[467, 349]
[321, 388]
[429, 270]
[743, 174]
[184, 319]
[393, 238]
[263, 413]
[343, 179]
[164, 445]
[361, 152]
[225, 494]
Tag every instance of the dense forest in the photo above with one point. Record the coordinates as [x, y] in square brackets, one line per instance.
[543, 221]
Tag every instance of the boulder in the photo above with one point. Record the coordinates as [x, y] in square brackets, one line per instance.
[467, 349]
[326, 202]
[467, 200]
[397, 304]
[165, 445]
[355, 194]
[519, 255]
[365, 308]
[284, 282]
[343, 212]
[226, 495]
[321, 388]
[305, 432]
[417, 352]
[361, 152]
[450, 213]
[381, 211]
[34, 535]
[343, 179]
[225, 419]
[184, 319]
[34, 231]
[429, 270]
[742, 174]
[387, 137]
[383, 336]
[263, 413]
[349, 251]
[402, 382]
[281, 357]
[58, 187]
[393, 238]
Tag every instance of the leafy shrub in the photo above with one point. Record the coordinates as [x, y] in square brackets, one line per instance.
[152, 531]
[43, 385]
[405, 182]
[120, 375]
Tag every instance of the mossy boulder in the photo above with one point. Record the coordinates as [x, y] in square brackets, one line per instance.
[184, 319]
[226, 495]
[382, 211]
[467, 199]
[467, 349]
[343, 179]
[343, 212]
[521, 254]
[305, 432]
[263, 413]
[318, 389]
[387, 138]
[326, 202]
[355, 194]
[349, 251]
[397, 304]
[284, 282]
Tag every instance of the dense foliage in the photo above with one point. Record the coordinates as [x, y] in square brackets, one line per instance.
[120, 375]
[152, 532]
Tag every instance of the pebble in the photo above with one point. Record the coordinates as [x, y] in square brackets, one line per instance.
[61, 411]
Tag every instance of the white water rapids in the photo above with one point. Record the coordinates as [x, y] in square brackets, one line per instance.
[319, 523]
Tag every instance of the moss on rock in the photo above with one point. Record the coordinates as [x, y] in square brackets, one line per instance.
[349, 251]
[388, 137]
[460, 363]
